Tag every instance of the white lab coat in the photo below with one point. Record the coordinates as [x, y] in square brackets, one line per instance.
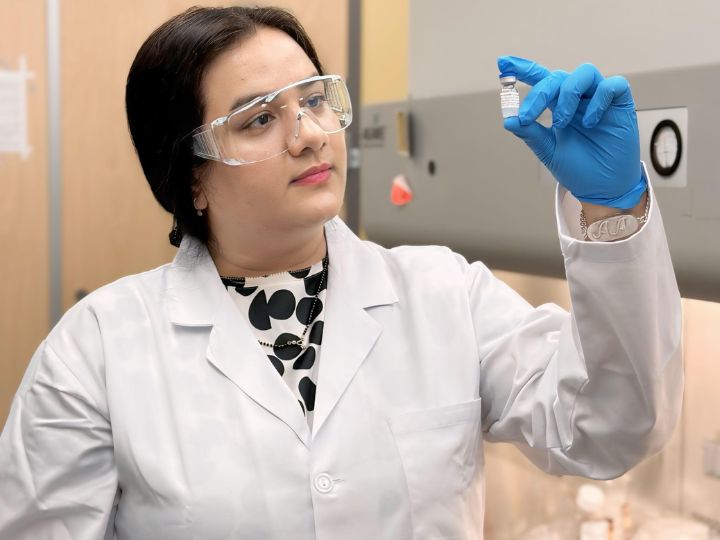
[150, 411]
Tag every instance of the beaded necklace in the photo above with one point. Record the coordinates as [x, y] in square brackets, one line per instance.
[240, 280]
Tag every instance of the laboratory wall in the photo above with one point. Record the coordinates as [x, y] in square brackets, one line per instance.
[453, 51]
[110, 224]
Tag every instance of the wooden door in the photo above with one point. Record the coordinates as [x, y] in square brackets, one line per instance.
[24, 260]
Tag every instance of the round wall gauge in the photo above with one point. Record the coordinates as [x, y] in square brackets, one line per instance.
[666, 148]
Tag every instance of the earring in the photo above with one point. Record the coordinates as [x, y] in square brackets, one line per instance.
[197, 210]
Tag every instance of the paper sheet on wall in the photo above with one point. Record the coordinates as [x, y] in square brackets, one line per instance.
[13, 110]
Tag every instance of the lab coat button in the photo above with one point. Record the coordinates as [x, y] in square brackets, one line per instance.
[323, 483]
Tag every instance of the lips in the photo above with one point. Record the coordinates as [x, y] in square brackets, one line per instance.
[314, 174]
[312, 171]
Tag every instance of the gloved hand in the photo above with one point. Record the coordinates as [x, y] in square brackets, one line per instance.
[593, 146]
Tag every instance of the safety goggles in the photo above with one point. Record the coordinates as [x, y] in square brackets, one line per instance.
[261, 129]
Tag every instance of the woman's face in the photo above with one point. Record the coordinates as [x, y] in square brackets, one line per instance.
[262, 197]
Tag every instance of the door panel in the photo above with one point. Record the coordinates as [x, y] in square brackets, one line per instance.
[24, 261]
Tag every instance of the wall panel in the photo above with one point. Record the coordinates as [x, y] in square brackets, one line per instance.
[24, 280]
[112, 225]
[384, 56]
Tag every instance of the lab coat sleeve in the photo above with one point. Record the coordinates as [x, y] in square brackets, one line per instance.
[594, 391]
[57, 473]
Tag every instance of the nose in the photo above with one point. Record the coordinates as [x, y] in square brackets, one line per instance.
[307, 134]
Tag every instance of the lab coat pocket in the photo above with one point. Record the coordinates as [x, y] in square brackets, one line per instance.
[440, 456]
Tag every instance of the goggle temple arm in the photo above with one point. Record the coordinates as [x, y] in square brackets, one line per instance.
[204, 145]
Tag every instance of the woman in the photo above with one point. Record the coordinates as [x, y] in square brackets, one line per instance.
[182, 403]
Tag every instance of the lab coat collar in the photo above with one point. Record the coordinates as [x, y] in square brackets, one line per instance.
[358, 279]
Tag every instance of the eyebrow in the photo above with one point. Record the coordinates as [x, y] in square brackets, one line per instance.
[247, 99]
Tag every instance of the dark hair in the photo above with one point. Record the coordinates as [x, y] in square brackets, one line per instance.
[164, 102]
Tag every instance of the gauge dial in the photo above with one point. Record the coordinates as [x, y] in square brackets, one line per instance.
[666, 148]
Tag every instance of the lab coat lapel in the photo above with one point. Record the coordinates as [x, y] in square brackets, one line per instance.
[197, 297]
[358, 280]
[235, 352]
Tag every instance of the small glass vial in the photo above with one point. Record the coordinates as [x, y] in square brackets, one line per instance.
[509, 97]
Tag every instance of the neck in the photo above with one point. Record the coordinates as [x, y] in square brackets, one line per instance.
[268, 253]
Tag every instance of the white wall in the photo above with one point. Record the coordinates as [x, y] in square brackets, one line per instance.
[454, 43]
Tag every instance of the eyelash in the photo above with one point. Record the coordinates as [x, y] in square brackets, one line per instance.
[250, 124]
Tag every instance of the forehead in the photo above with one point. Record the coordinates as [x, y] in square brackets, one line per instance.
[265, 61]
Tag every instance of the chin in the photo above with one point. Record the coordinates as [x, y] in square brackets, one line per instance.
[325, 206]
[321, 215]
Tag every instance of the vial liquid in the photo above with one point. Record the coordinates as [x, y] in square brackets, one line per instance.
[509, 97]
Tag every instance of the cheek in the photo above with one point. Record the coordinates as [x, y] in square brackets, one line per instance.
[251, 182]
[340, 154]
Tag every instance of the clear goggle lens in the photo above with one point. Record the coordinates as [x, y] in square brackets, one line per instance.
[263, 128]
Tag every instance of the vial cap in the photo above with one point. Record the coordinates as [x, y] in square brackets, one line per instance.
[507, 77]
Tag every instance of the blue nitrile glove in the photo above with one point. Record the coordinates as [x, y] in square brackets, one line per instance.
[593, 147]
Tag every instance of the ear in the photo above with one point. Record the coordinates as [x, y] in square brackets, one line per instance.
[199, 199]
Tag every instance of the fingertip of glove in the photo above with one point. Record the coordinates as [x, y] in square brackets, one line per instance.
[524, 119]
[512, 124]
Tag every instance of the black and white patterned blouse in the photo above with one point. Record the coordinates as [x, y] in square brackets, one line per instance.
[277, 307]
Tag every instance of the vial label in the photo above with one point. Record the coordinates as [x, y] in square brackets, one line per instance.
[509, 102]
